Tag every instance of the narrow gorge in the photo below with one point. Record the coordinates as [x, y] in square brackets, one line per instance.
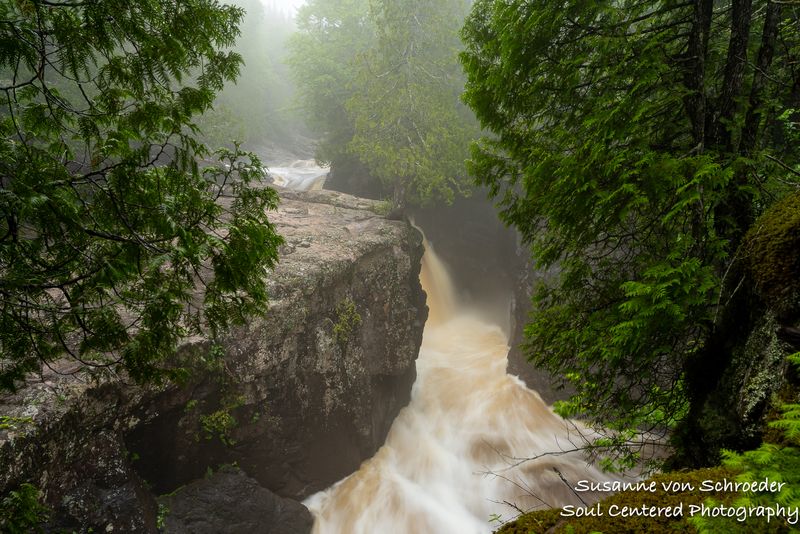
[293, 403]
[399, 266]
[474, 446]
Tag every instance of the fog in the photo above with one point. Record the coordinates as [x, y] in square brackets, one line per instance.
[259, 110]
[288, 6]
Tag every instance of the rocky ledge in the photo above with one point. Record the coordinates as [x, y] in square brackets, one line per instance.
[297, 399]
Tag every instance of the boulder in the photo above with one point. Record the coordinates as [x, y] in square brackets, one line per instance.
[229, 502]
[297, 398]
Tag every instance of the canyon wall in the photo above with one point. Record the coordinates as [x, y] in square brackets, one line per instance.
[295, 400]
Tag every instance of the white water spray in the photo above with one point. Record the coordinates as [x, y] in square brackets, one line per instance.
[300, 175]
[453, 459]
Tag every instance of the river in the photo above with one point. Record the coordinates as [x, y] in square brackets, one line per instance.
[300, 175]
[454, 459]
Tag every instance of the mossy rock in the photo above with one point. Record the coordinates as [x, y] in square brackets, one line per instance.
[733, 415]
[551, 521]
[772, 247]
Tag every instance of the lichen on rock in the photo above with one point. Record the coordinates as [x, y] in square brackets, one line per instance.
[308, 409]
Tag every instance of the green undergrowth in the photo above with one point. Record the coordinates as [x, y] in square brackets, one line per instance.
[551, 521]
[347, 321]
[21, 511]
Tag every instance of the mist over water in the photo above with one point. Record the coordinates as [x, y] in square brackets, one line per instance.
[454, 456]
[300, 175]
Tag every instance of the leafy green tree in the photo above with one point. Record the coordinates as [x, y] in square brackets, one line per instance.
[115, 241]
[323, 55]
[633, 145]
[383, 83]
[411, 129]
[21, 510]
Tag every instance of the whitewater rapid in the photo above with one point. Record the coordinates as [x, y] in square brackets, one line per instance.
[454, 459]
[300, 175]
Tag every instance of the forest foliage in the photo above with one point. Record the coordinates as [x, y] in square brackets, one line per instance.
[120, 233]
[633, 144]
[380, 82]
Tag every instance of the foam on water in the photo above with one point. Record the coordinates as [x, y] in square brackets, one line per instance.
[452, 459]
[300, 175]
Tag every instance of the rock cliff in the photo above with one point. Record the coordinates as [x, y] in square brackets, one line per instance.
[297, 399]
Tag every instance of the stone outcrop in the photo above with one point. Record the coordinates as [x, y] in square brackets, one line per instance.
[297, 399]
[228, 502]
[736, 380]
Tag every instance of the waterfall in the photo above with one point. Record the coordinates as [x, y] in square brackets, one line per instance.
[454, 459]
[300, 175]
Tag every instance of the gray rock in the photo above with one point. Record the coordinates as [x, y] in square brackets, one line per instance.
[300, 398]
[229, 502]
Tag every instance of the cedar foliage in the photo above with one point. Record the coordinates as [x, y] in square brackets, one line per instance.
[779, 461]
[118, 236]
[633, 144]
[380, 82]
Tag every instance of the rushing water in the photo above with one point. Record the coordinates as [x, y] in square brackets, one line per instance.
[301, 175]
[453, 459]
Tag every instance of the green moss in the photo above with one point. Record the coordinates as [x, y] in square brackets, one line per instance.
[218, 424]
[161, 518]
[8, 422]
[540, 521]
[552, 521]
[772, 259]
[347, 320]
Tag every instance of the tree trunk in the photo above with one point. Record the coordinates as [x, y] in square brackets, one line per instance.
[723, 125]
[752, 123]
[399, 194]
[694, 78]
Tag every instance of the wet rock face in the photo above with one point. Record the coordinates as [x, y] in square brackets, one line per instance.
[65, 436]
[229, 502]
[297, 399]
[733, 415]
[310, 391]
[349, 175]
[551, 387]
